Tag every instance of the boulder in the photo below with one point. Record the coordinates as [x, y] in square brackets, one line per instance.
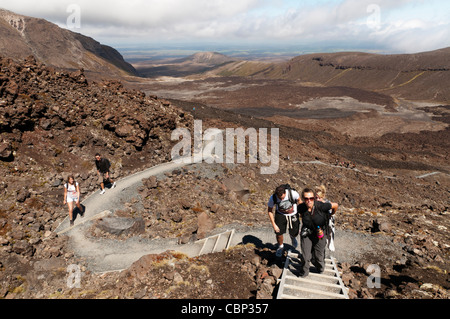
[57, 182]
[177, 217]
[185, 203]
[151, 182]
[205, 225]
[23, 195]
[124, 130]
[236, 184]
[346, 278]
[143, 265]
[6, 152]
[46, 124]
[265, 291]
[121, 225]
[216, 208]
[380, 225]
[23, 247]
[275, 271]
[238, 188]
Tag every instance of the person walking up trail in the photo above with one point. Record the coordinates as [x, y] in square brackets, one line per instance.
[285, 217]
[104, 174]
[329, 231]
[315, 217]
[72, 195]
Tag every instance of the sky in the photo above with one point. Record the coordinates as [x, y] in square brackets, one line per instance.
[385, 26]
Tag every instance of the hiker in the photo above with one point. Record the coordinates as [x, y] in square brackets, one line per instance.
[72, 195]
[315, 215]
[286, 200]
[104, 175]
[329, 230]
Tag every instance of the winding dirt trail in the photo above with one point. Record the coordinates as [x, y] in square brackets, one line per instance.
[106, 255]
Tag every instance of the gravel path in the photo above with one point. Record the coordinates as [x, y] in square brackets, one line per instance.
[104, 255]
[107, 255]
[126, 189]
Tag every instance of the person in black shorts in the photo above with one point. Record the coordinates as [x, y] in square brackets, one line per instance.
[315, 217]
[103, 165]
[285, 217]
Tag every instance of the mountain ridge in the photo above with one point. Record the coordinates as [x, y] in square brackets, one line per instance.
[23, 36]
[197, 63]
[419, 76]
[207, 57]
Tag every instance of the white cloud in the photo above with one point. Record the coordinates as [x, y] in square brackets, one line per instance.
[414, 35]
[392, 24]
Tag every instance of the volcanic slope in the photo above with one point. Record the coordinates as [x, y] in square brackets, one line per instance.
[197, 63]
[419, 76]
[53, 122]
[23, 36]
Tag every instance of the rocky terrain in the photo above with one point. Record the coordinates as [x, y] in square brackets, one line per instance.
[52, 123]
[388, 201]
[419, 76]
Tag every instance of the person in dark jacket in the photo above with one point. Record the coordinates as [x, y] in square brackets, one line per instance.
[315, 217]
[103, 172]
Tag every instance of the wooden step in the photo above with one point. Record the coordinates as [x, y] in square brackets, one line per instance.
[325, 285]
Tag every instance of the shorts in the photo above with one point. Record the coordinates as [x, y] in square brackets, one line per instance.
[287, 222]
[102, 177]
[71, 199]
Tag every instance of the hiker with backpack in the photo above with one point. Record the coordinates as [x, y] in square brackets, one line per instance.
[285, 218]
[315, 219]
[71, 196]
[104, 175]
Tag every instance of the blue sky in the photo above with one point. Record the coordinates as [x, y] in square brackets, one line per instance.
[400, 26]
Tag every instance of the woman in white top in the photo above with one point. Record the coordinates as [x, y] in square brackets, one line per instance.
[72, 195]
[321, 192]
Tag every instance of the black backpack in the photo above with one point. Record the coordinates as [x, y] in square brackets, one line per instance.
[291, 198]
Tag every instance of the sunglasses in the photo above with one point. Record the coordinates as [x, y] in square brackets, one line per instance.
[309, 198]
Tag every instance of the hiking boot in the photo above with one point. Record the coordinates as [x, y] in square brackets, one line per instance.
[71, 223]
[320, 270]
[113, 185]
[102, 192]
[279, 252]
[304, 274]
